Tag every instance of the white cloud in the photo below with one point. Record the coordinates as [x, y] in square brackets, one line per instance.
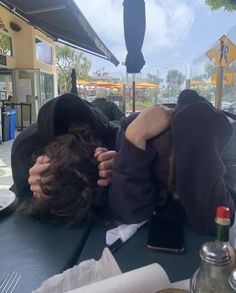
[167, 23]
[106, 18]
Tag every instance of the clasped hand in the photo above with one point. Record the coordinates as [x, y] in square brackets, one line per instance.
[102, 155]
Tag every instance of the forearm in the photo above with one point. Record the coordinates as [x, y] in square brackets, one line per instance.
[148, 124]
[135, 137]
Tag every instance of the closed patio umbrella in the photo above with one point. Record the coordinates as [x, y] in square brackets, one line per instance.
[73, 82]
[134, 30]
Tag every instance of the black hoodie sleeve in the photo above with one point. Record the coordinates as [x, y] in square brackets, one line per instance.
[132, 192]
[21, 158]
[200, 134]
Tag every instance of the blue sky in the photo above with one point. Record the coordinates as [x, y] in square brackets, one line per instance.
[176, 31]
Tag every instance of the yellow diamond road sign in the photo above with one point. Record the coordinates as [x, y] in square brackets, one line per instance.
[223, 52]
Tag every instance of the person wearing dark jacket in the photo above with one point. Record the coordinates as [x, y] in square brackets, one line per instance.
[70, 130]
[109, 108]
[194, 146]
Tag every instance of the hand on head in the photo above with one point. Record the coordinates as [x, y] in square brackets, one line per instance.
[42, 163]
[105, 159]
[102, 155]
[149, 123]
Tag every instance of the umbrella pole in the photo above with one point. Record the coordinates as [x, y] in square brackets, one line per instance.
[124, 99]
[133, 93]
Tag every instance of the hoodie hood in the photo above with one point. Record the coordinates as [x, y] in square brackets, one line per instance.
[55, 118]
[200, 134]
[57, 115]
[202, 115]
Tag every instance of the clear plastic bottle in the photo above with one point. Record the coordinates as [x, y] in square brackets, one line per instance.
[213, 274]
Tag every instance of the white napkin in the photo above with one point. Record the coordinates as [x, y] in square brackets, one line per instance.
[123, 232]
[87, 272]
[148, 279]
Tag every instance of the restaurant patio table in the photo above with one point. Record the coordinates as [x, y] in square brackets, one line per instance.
[134, 254]
[37, 251]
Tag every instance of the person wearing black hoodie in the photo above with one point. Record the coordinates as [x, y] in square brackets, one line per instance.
[56, 118]
[202, 163]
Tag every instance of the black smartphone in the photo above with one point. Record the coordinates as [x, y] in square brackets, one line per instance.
[166, 234]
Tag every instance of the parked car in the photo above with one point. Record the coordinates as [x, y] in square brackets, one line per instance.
[230, 108]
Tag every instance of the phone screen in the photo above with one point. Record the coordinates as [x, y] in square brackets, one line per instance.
[166, 234]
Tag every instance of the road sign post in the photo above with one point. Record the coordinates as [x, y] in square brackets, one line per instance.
[219, 84]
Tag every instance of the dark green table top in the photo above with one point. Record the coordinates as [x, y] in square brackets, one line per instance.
[37, 251]
[134, 254]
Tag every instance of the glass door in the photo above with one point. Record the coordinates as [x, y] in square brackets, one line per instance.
[27, 95]
[6, 91]
[47, 86]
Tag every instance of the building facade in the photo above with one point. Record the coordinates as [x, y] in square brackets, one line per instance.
[27, 65]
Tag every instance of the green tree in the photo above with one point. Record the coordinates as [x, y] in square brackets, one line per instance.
[5, 45]
[67, 59]
[229, 5]
[209, 69]
[152, 78]
[174, 80]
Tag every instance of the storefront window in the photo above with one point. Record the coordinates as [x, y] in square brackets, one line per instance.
[46, 81]
[5, 86]
[5, 45]
[43, 52]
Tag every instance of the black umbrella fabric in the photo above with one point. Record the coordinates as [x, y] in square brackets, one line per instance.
[73, 82]
[134, 30]
[63, 21]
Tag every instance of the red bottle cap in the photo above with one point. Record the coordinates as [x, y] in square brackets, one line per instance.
[222, 212]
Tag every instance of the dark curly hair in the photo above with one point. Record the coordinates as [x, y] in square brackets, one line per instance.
[71, 193]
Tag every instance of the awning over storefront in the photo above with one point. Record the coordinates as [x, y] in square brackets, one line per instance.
[63, 21]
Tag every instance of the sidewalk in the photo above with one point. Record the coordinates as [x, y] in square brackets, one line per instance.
[5, 164]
